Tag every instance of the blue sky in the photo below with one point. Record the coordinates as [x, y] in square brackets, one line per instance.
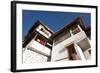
[54, 20]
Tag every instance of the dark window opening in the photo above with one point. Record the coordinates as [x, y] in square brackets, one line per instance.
[72, 53]
[89, 51]
[43, 41]
[40, 40]
[41, 29]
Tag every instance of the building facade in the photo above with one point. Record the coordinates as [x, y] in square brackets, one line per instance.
[37, 45]
[70, 43]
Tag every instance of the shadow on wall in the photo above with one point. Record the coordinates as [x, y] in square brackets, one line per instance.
[62, 50]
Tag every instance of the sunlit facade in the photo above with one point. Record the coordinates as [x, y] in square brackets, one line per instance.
[72, 42]
[37, 45]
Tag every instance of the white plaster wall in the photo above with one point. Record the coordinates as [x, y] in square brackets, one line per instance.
[31, 57]
[38, 47]
[64, 60]
[79, 52]
[36, 54]
[59, 52]
[56, 49]
[87, 55]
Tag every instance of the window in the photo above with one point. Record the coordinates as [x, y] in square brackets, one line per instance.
[43, 41]
[40, 40]
[41, 29]
[44, 30]
[89, 51]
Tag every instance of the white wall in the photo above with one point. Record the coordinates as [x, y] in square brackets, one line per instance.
[36, 53]
[87, 55]
[57, 51]
[31, 57]
[38, 47]
[5, 37]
